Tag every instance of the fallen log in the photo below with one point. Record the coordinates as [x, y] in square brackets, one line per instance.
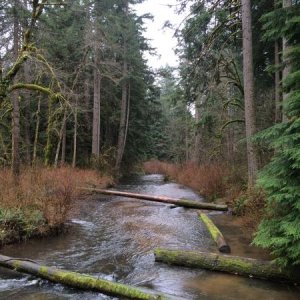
[226, 263]
[215, 233]
[178, 202]
[76, 280]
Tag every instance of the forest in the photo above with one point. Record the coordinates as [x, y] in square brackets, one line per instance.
[81, 107]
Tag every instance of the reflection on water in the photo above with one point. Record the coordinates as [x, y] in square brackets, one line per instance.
[114, 238]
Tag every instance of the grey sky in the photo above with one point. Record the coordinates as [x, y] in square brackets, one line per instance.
[162, 39]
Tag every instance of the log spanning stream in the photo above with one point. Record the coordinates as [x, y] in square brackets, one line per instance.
[114, 238]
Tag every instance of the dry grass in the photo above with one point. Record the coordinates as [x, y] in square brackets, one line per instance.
[250, 206]
[209, 180]
[42, 198]
[218, 181]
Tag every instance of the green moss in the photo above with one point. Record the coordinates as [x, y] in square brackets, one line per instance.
[213, 230]
[225, 263]
[105, 286]
[43, 270]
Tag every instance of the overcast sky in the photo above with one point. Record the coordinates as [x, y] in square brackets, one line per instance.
[162, 39]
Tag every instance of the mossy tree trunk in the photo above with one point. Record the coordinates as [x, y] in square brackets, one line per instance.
[215, 233]
[225, 263]
[178, 202]
[77, 280]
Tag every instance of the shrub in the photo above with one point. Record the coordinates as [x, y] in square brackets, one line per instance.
[209, 180]
[42, 199]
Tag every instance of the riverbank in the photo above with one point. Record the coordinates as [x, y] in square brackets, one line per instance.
[40, 202]
[114, 238]
[217, 183]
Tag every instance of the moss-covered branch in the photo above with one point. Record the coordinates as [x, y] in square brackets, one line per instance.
[26, 49]
[77, 280]
[9, 76]
[225, 263]
[215, 233]
[32, 87]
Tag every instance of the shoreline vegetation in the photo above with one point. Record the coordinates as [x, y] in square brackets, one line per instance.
[217, 183]
[40, 202]
[43, 199]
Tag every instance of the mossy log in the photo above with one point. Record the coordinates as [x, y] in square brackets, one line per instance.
[226, 263]
[178, 202]
[215, 233]
[76, 280]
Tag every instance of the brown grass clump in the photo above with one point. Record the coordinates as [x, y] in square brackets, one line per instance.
[250, 206]
[209, 180]
[41, 200]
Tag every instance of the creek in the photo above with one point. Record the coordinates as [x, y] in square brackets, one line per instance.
[114, 238]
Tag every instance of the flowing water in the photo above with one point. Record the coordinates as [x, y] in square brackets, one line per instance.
[114, 238]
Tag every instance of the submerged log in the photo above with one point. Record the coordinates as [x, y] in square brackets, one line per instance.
[76, 280]
[215, 233]
[225, 263]
[178, 202]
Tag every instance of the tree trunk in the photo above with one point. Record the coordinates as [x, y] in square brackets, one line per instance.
[278, 114]
[64, 142]
[37, 129]
[127, 120]
[124, 103]
[215, 233]
[178, 202]
[87, 99]
[49, 132]
[60, 138]
[197, 145]
[27, 137]
[15, 104]
[75, 134]
[77, 280]
[225, 263]
[249, 91]
[16, 135]
[96, 112]
[122, 128]
[287, 67]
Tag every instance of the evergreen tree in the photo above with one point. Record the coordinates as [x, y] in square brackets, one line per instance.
[280, 229]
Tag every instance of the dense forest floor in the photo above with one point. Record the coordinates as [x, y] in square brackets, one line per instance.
[38, 204]
[217, 183]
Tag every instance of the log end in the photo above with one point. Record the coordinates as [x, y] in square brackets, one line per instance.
[225, 249]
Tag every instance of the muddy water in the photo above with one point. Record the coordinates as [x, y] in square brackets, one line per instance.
[114, 238]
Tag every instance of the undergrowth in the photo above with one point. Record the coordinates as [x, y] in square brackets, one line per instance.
[250, 205]
[217, 182]
[208, 180]
[41, 200]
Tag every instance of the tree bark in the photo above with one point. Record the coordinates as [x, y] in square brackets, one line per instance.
[287, 67]
[225, 263]
[76, 280]
[75, 134]
[197, 145]
[37, 129]
[124, 103]
[178, 202]
[49, 132]
[64, 142]
[278, 114]
[96, 111]
[60, 138]
[215, 233]
[122, 128]
[15, 103]
[27, 136]
[249, 91]
[16, 135]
